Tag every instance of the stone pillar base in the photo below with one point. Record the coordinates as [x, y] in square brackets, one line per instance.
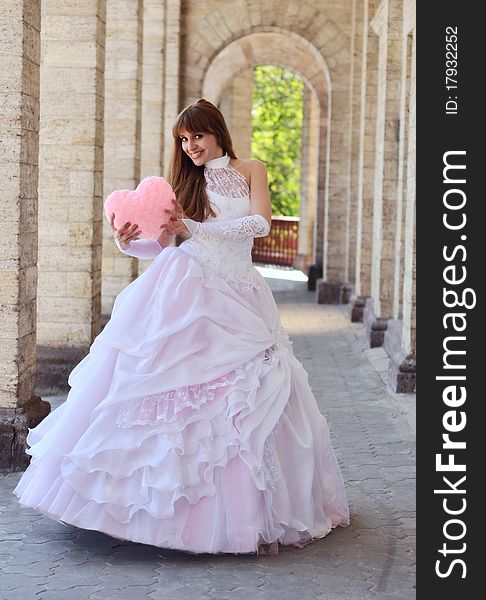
[14, 426]
[301, 262]
[387, 332]
[405, 379]
[53, 366]
[402, 371]
[377, 332]
[357, 309]
[333, 292]
[314, 272]
[346, 293]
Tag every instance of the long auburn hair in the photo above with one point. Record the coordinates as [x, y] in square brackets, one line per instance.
[186, 178]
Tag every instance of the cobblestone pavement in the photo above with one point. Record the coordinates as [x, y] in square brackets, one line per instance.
[373, 434]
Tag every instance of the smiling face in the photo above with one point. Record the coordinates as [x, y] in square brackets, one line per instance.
[200, 147]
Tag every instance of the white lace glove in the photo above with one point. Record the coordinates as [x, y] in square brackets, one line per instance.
[251, 226]
[141, 248]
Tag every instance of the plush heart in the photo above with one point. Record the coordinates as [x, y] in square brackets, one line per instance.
[143, 206]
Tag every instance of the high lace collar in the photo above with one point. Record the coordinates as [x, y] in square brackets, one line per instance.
[218, 163]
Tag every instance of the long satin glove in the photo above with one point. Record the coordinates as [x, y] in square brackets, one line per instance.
[251, 226]
[144, 248]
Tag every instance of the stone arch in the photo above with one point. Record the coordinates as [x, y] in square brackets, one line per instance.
[326, 30]
[242, 55]
[314, 42]
[266, 47]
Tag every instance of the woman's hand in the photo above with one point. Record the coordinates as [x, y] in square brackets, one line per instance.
[175, 225]
[125, 234]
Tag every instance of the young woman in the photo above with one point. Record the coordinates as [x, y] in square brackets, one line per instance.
[190, 424]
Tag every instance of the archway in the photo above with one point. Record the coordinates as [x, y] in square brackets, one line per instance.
[290, 51]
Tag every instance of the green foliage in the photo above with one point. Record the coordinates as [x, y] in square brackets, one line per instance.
[277, 133]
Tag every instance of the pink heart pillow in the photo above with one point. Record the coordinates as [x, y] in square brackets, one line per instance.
[144, 206]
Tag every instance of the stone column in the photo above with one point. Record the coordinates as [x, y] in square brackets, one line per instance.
[308, 181]
[409, 313]
[322, 212]
[409, 322]
[401, 327]
[318, 269]
[171, 95]
[70, 186]
[225, 105]
[387, 23]
[362, 159]
[19, 126]
[364, 241]
[152, 113]
[236, 104]
[365, 167]
[242, 100]
[358, 51]
[151, 148]
[123, 103]
[336, 223]
[406, 93]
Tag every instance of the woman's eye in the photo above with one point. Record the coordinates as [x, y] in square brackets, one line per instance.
[184, 139]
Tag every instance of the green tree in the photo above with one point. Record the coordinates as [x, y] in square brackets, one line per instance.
[277, 133]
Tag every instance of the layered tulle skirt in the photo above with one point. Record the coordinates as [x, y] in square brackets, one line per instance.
[189, 425]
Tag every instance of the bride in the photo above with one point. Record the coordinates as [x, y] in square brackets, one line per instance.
[190, 424]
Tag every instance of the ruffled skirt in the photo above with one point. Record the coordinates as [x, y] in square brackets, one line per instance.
[189, 425]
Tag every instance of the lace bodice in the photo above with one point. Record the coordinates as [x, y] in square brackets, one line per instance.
[229, 256]
[223, 180]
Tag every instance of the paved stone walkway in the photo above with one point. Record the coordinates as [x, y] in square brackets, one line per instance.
[373, 435]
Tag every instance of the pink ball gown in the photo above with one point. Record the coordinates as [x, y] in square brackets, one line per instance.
[190, 424]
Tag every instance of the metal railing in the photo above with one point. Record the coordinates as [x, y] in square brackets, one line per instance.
[279, 247]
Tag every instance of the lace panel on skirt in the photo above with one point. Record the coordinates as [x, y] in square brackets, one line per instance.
[165, 406]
